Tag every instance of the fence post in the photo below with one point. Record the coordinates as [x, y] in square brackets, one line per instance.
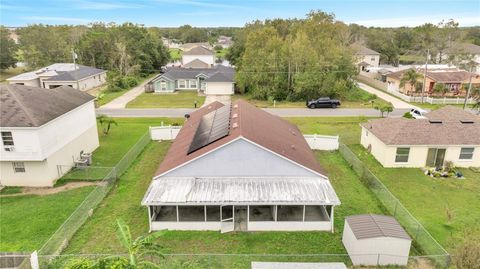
[378, 259]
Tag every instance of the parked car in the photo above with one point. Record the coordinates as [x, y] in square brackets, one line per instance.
[418, 113]
[323, 102]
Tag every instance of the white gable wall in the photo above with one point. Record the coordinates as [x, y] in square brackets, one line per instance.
[240, 158]
[209, 59]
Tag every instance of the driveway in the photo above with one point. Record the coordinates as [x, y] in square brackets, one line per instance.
[122, 101]
[220, 98]
[282, 112]
[397, 103]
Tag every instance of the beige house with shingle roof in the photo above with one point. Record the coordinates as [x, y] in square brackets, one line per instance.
[198, 57]
[448, 134]
[365, 57]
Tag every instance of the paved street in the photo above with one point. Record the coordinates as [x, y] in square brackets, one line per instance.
[283, 112]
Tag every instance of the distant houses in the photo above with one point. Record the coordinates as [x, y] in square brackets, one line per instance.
[76, 76]
[365, 57]
[44, 133]
[447, 134]
[468, 50]
[225, 41]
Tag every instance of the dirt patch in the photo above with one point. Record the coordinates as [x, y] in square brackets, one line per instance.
[53, 190]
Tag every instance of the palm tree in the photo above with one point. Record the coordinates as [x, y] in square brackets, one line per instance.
[140, 247]
[104, 120]
[411, 77]
[440, 88]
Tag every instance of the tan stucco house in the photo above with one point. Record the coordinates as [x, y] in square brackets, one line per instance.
[447, 134]
[453, 78]
[365, 57]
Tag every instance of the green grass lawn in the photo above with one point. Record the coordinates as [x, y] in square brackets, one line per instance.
[179, 99]
[356, 99]
[105, 96]
[429, 199]
[98, 234]
[26, 222]
[221, 53]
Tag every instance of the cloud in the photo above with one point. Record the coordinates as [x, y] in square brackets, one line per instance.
[56, 19]
[201, 4]
[462, 19]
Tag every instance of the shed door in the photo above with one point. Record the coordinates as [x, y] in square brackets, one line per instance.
[227, 219]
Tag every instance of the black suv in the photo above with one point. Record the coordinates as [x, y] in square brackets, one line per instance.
[323, 102]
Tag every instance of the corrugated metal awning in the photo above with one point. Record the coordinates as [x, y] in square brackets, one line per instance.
[240, 190]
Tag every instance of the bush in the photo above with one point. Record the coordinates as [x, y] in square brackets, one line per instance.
[408, 115]
[117, 82]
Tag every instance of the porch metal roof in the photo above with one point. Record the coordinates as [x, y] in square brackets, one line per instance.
[240, 190]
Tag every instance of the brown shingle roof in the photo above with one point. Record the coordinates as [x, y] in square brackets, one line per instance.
[25, 106]
[254, 124]
[373, 226]
[362, 50]
[441, 76]
[451, 131]
[463, 48]
[198, 50]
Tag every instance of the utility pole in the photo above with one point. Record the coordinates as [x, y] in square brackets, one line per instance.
[425, 75]
[469, 87]
[74, 56]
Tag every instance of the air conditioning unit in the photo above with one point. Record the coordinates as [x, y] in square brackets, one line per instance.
[9, 148]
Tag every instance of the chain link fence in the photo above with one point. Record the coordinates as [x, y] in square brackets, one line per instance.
[108, 176]
[422, 239]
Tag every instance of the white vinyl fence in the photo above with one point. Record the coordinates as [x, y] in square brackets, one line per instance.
[164, 132]
[322, 142]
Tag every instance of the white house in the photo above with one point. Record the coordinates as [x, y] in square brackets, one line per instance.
[62, 74]
[42, 129]
[447, 134]
[457, 49]
[365, 57]
[237, 167]
[376, 240]
[200, 54]
[218, 80]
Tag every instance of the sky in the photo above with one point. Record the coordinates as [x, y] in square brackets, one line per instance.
[212, 13]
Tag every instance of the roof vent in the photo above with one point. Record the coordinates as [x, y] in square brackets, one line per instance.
[235, 106]
[466, 121]
[435, 121]
[292, 146]
[235, 125]
[235, 116]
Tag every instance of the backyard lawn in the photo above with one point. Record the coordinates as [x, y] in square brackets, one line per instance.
[356, 99]
[26, 222]
[446, 207]
[98, 234]
[179, 99]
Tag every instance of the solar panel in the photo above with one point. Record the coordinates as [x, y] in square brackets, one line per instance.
[212, 127]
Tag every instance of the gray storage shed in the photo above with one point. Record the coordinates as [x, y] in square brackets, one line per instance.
[376, 240]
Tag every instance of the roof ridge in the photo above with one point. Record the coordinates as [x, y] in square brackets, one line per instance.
[24, 108]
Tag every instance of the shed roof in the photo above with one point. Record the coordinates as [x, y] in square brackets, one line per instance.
[244, 190]
[373, 226]
[251, 123]
[25, 106]
[452, 130]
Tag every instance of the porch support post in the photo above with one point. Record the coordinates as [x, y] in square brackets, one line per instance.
[331, 217]
[178, 217]
[276, 213]
[248, 214]
[221, 216]
[303, 217]
[205, 211]
[149, 219]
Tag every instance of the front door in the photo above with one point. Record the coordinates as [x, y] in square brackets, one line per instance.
[227, 218]
[435, 157]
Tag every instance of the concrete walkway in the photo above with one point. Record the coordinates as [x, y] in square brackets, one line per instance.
[397, 103]
[122, 101]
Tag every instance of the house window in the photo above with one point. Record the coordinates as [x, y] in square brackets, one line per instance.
[466, 154]
[193, 83]
[7, 138]
[18, 167]
[182, 84]
[163, 86]
[402, 155]
[372, 59]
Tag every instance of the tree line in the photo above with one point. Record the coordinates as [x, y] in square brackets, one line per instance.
[189, 34]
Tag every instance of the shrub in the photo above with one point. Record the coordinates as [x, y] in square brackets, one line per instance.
[408, 115]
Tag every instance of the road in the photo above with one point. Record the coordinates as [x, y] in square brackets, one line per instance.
[397, 103]
[283, 112]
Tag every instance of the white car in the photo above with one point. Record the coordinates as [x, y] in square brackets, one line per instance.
[418, 113]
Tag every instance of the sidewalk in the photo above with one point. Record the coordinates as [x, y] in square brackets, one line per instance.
[122, 101]
[397, 103]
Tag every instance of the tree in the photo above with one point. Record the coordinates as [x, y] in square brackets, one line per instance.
[104, 120]
[384, 109]
[411, 77]
[7, 49]
[440, 88]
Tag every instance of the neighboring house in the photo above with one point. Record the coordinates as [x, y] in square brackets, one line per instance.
[458, 49]
[170, 43]
[189, 46]
[365, 57]
[43, 133]
[447, 134]
[200, 54]
[225, 41]
[237, 167]
[62, 74]
[453, 78]
[218, 80]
